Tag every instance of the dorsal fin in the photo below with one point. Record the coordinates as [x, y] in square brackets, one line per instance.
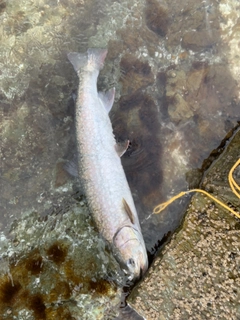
[107, 98]
[128, 210]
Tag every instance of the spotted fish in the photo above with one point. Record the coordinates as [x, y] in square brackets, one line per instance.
[99, 165]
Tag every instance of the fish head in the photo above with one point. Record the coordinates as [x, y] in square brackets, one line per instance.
[131, 251]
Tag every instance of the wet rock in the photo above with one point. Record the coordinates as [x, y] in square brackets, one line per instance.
[156, 15]
[197, 40]
[57, 267]
[2, 6]
[230, 35]
[216, 180]
[196, 276]
[130, 40]
[178, 108]
[196, 76]
[198, 23]
[114, 49]
[135, 74]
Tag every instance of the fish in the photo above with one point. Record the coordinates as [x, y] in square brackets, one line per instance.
[99, 165]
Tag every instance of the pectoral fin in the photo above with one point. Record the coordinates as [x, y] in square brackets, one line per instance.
[107, 98]
[128, 210]
[121, 148]
[72, 167]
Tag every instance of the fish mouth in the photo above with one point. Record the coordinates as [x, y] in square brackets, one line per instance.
[135, 273]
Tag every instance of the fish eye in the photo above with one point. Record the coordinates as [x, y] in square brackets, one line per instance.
[131, 262]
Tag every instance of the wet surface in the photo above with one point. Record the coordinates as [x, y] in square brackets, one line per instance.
[174, 67]
[58, 267]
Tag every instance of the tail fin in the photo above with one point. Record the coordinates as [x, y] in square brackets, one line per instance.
[94, 59]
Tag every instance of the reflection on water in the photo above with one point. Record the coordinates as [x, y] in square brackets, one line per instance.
[177, 96]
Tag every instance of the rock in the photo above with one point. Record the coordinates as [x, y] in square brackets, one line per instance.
[196, 276]
[135, 75]
[57, 268]
[197, 40]
[179, 109]
[157, 17]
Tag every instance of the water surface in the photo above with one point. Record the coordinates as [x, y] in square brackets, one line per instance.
[173, 67]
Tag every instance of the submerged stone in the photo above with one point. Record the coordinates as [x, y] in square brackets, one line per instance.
[135, 74]
[157, 18]
[196, 40]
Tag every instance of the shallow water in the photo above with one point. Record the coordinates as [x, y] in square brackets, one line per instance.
[176, 78]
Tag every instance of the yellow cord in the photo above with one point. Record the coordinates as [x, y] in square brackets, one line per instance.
[234, 186]
[232, 182]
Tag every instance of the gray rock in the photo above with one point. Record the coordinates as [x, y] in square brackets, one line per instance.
[197, 274]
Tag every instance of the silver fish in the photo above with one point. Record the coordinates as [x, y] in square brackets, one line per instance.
[104, 181]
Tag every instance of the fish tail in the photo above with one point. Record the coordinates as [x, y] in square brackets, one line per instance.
[93, 58]
[97, 56]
